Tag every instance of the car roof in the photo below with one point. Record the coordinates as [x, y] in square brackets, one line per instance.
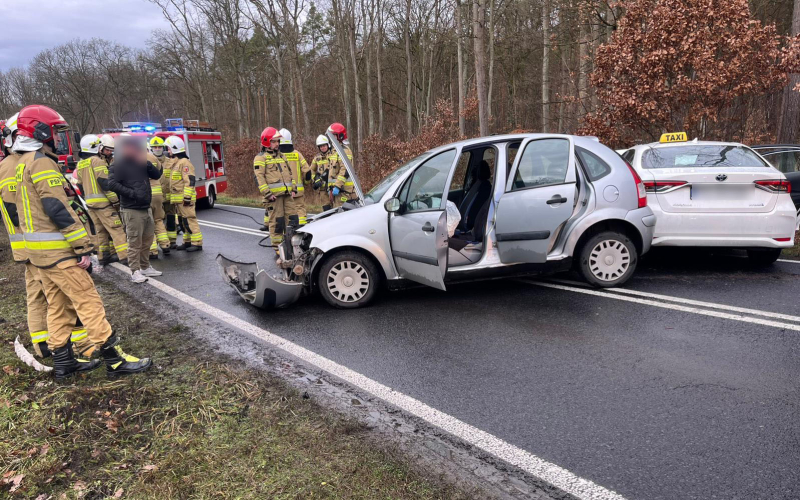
[776, 146]
[686, 143]
[510, 137]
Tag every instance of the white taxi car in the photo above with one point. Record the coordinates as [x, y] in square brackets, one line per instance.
[715, 194]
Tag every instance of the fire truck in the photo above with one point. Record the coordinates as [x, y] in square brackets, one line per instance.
[203, 147]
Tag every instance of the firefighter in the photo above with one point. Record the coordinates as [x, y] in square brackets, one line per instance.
[343, 188]
[183, 194]
[170, 214]
[58, 244]
[301, 174]
[279, 182]
[321, 172]
[91, 174]
[156, 157]
[260, 171]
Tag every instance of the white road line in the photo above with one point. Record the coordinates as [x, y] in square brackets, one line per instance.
[681, 300]
[790, 261]
[674, 307]
[712, 305]
[235, 229]
[538, 467]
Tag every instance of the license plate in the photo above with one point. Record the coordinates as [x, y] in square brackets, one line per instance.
[730, 192]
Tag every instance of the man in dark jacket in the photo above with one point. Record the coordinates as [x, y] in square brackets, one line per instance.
[129, 177]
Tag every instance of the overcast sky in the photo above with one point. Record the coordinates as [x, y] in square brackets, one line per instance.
[30, 26]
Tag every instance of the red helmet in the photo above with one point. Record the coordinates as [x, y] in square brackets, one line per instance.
[40, 123]
[267, 135]
[338, 130]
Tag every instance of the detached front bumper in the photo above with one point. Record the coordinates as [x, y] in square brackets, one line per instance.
[262, 288]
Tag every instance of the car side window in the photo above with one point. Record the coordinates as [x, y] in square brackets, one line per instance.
[628, 155]
[544, 162]
[595, 167]
[460, 175]
[513, 149]
[425, 189]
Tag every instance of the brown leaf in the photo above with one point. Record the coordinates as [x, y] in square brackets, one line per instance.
[149, 468]
[15, 482]
[118, 493]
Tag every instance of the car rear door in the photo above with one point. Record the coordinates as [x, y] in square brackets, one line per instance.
[539, 198]
[418, 231]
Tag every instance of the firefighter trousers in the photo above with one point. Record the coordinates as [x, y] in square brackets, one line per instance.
[191, 228]
[343, 197]
[300, 208]
[71, 294]
[37, 315]
[280, 212]
[109, 233]
[169, 223]
[266, 208]
[161, 239]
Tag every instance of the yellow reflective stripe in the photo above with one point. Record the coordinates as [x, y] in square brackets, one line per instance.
[48, 176]
[17, 245]
[349, 183]
[75, 235]
[176, 175]
[78, 335]
[300, 189]
[118, 248]
[26, 207]
[40, 336]
[7, 220]
[259, 163]
[156, 190]
[47, 245]
[195, 236]
[341, 178]
[7, 182]
[44, 173]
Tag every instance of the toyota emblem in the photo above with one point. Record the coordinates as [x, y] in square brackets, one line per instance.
[722, 177]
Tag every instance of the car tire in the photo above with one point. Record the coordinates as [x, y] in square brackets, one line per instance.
[765, 257]
[607, 259]
[348, 280]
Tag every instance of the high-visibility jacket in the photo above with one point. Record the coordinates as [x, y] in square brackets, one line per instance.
[183, 180]
[8, 206]
[279, 175]
[322, 167]
[92, 174]
[343, 180]
[52, 230]
[260, 171]
[166, 176]
[298, 167]
[155, 184]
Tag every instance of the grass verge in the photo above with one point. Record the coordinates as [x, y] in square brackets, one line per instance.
[195, 426]
[794, 252]
[258, 203]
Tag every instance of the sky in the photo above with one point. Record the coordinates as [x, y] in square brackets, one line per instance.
[30, 26]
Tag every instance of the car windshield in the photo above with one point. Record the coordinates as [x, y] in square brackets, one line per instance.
[701, 155]
[376, 193]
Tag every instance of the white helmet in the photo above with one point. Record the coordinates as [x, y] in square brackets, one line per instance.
[106, 141]
[321, 139]
[175, 144]
[11, 123]
[90, 143]
[285, 135]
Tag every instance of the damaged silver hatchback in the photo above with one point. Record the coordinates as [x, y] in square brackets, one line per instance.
[478, 209]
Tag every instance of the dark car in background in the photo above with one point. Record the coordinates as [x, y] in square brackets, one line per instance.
[786, 158]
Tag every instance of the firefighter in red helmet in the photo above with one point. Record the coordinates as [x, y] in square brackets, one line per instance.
[276, 184]
[260, 171]
[59, 245]
[343, 189]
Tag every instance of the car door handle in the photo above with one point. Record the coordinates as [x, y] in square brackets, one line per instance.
[428, 227]
[556, 199]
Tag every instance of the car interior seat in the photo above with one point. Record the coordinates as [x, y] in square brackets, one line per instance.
[467, 248]
[479, 192]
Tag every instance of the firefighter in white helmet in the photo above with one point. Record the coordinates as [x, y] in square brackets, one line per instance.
[91, 174]
[323, 178]
[183, 195]
[156, 156]
[301, 174]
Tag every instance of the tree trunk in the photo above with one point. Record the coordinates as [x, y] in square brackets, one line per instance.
[790, 114]
[356, 89]
[583, 46]
[378, 47]
[478, 22]
[407, 34]
[545, 65]
[280, 90]
[368, 35]
[462, 127]
[302, 94]
[492, 18]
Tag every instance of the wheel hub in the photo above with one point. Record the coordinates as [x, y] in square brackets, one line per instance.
[609, 260]
[348, 281]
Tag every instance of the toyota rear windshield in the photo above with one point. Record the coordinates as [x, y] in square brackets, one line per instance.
[699, 156]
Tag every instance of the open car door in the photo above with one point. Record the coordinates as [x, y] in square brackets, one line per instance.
[539, 199]
[418, 228]
[347, 158]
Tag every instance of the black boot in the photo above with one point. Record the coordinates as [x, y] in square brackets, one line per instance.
[184, 246]
[118, 363]
[113, 258]
[65, 364]
[165, 250]
[194, 248]
[264, 228]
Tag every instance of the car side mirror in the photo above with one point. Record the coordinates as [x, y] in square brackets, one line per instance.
[392, 205]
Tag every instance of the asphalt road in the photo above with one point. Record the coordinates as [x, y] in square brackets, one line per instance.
[651, 402]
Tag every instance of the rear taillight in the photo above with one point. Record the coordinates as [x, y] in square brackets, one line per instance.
[783, 239]
[776, 186]
[641, 192]
[661, 186]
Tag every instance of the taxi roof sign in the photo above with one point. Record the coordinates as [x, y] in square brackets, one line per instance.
[674, 137]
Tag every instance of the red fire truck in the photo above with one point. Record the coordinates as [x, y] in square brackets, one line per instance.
[203, 147]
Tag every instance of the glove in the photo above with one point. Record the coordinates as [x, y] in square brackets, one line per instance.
[335, 191]
[317, 183]
[308, 175]
[187, 202]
